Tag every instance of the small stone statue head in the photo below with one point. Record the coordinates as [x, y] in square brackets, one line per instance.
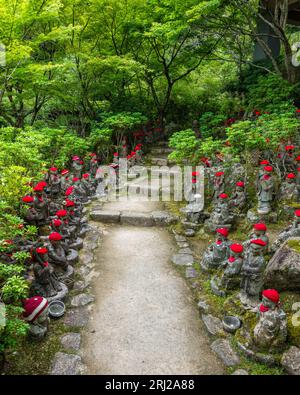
[270, 300]
[41, 255]
[259, 229]
[240, 186]
[236, 251]
[222, 234]
[28, 200]
[290, 178]
[36, 310]
[263, 164]
[53, 170]
[55, 238]
[257, 246]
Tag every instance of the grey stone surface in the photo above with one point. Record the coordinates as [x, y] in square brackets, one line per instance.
[190, 272]
[80, 286]
[180, 238]
[66, 365]
[291, 361]
[203, 306]
[86, 257]
[82, 300]
[136, 219]
[224, 350]
[190, 232]
[185, 251]
[71, 341]
[106, 216]
[77, 318]
[240, 372]
[183, 259]
[163, 218]
[283, 270]
[183, 244]
[84, 271]
[213, 324]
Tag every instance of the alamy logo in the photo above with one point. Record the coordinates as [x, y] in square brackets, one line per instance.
[2, 55]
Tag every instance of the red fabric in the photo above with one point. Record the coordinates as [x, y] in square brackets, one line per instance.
[55, 237]
[240, 184]
[27, 199]
[259, 242]
[219, 173]
[238, 248]
[41, 250]
[263, 308]
[272, 295]
[260, 226]
[223, 231]
[223, 196]
[231, 259]
[62, 213]
[268, 168]
[291, 176]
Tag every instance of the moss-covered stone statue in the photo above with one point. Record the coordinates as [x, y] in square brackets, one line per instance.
[36, 314]
[265, 191]
[218, 251]
[252, 274]
[270, 333]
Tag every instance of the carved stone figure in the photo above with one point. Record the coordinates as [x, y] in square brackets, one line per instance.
[261, 172]
[270, 333]
[219, 185]
[288, 190]
[218, 251]
[46, 283]
[221, 216]
[252, 274]
[77, 166]
[54, 182]
[238, 199]
[31, 215]
[230, 278]
[258, 232]
[40, 205]
[233, 265]
[56, 251]
[65, 181]
[36, 314]
[265, 191]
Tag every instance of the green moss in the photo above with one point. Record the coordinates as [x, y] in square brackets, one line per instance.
[35, 358]
[294, 245]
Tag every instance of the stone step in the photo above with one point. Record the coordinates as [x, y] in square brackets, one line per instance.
[159, 151]
[162, 162]
[156, 218]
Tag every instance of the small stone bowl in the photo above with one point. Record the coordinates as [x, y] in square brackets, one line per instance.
[231, 323]
[56, 309]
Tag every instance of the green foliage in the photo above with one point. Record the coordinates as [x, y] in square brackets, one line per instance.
[14, 289]
[264, 133]
[270, 93]
[15, 329]
[211, 123]
[185, 144]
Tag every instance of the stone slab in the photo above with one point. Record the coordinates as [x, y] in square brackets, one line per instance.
[106, 216]
[66, 365]
[136, 219]
[224, 350]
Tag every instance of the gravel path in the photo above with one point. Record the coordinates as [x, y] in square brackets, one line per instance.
[144, 320]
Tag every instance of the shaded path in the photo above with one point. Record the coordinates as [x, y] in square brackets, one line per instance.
[144, 320]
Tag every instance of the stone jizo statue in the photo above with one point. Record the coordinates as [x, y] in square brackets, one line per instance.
[265, 191]
[270, 333]
[218, 251]
[36, 314]
[252, 274]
